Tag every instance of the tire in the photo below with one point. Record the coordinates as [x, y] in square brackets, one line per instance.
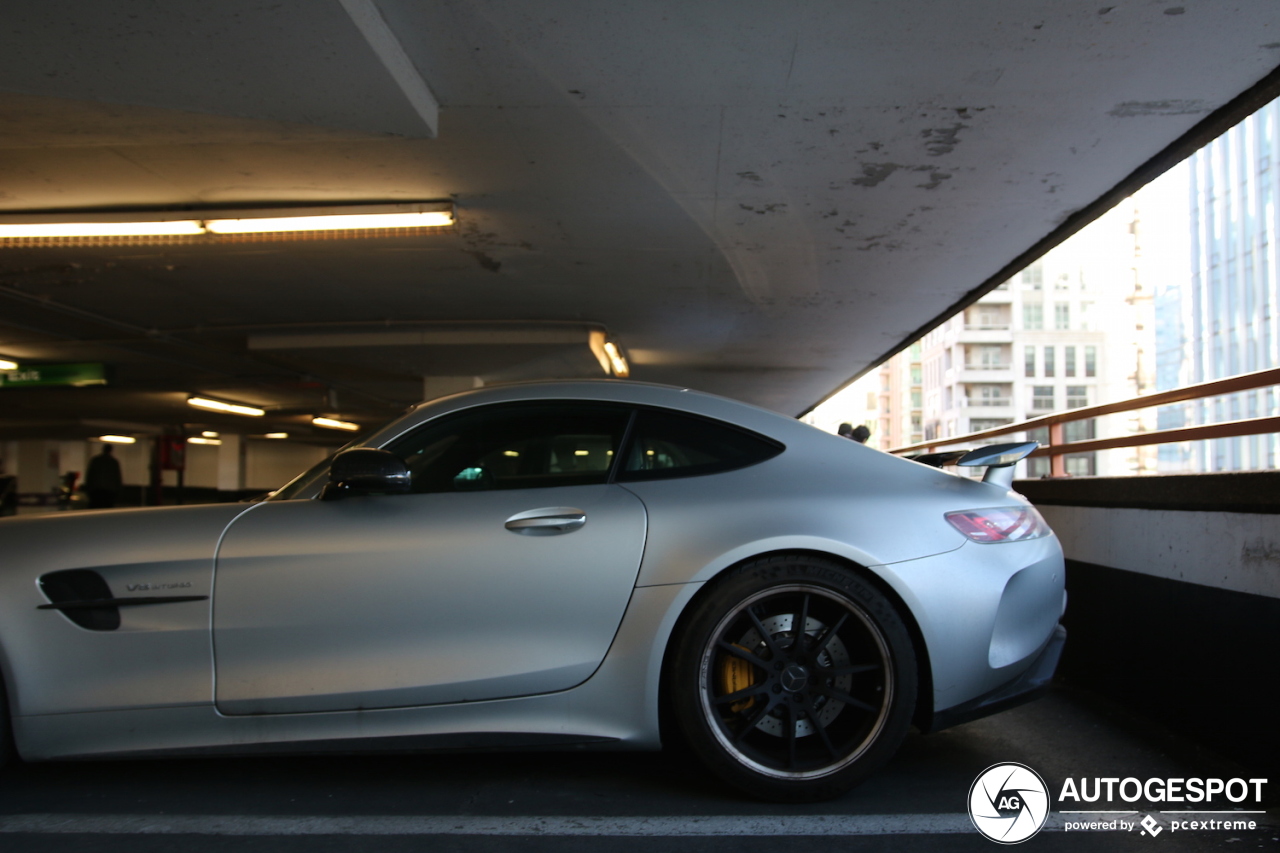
[793, 721]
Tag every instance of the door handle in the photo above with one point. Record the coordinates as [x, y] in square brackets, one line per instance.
[547, 521]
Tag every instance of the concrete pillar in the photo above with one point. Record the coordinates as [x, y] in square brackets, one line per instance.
[231, 463]
[442, 386]
[36, 466]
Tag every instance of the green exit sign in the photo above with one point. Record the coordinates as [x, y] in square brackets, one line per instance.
[42, 375]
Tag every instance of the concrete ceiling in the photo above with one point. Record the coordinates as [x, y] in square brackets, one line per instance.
[758, 199]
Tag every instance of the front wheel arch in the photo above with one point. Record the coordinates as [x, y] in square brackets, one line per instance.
[692, 700]
[923, 715]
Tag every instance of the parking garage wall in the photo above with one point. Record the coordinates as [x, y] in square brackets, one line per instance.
[266, 465]
[1174, 600]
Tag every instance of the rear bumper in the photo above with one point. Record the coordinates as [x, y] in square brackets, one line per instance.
[1031, 684]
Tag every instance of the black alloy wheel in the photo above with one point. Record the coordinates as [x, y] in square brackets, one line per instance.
[794, 679]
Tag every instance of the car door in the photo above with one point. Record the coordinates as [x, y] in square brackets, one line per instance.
[504, 573]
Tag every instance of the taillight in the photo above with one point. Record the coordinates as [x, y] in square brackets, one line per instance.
[1004, 524]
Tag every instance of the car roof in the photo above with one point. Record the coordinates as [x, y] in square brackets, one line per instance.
[773, 424]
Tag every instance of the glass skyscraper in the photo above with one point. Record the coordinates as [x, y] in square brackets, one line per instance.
[1223, 320]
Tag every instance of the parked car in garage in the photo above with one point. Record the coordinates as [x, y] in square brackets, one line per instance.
[546, 565]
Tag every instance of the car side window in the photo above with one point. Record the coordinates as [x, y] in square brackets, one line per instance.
[668, 444]
[515, 446]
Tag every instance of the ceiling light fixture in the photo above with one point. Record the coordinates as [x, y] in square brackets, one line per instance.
[253, 221]
[117, 439]
[330, 423]
[200, 440]
[6, 364]
[276, 435]
[28, 230]
[209, 434]
[230, 408]
[616, 360]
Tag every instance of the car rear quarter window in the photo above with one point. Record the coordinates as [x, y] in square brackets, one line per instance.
[666, 444]
[515, 446]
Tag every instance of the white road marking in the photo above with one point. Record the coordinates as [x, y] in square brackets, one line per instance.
[664, 826]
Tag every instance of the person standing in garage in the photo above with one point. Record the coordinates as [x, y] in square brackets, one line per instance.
[103, 480]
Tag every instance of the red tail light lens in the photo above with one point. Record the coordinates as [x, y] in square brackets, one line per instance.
[1005, 524]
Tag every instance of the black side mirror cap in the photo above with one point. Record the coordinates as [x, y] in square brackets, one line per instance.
[366, 471]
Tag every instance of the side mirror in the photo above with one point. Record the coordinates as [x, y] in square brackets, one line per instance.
[366, 471]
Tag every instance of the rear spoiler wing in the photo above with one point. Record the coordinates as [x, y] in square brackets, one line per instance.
[998, 458]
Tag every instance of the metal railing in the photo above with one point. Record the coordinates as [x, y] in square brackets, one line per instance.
[1058, 448]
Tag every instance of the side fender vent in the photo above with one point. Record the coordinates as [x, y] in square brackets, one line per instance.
[74, 586]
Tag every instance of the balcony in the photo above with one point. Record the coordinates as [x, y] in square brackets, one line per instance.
[987, 407]
[986, 373]
[1001, 295]
[986, 333]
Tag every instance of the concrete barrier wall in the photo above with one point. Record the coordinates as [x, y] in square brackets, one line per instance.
[1174, 600]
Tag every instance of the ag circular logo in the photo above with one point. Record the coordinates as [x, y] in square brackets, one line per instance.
[1008, 803]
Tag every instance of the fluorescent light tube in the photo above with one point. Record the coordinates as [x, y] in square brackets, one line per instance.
[250, 221]
[347, 222]
[619, 364]
[330, 423]
[219, 406]
[180, 228]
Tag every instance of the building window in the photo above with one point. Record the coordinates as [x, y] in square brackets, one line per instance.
[1079, 430]
[1033, 277]
[917, 401]
[1080, 464]
[1077, 396]
[1062, 316]
[1038, 467]
[991, 357]
[1042, 398]
[1049, 366]
[1033, 316]
[1090, 361]
[1029, 367]
[1068, 361]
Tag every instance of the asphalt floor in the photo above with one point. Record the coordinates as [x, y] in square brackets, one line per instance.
[652, 802]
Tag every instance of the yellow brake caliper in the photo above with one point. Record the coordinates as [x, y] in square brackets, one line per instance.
[736, 674]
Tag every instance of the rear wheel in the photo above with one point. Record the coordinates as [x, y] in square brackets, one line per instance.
[794, 679]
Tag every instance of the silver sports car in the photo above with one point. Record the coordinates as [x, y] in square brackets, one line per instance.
[604, 564]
